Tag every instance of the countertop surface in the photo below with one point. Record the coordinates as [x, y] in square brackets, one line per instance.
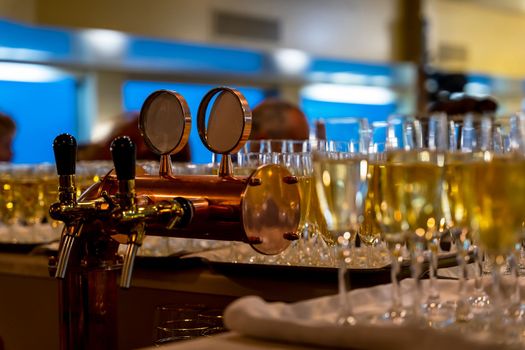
[231, 341]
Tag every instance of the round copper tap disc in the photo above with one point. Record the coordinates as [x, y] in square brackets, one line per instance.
[165, 122]
[224, 120]
[270, 209]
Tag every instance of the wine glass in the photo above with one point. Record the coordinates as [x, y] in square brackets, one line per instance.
[345, 129]
[341, 131]
[408, 207]
[369, 230]
[340, 173]
[176, 323]
[473, 138]
[511, 129]
[296, 156]
[497, 207]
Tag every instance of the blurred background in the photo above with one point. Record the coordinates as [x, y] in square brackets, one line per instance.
[81, 66]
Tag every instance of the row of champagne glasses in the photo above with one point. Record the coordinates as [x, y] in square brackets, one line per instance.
[317, 247]
[434, 177]
[26, 193]
[421, 157]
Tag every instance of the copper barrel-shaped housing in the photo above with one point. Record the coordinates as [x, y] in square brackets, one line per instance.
[261, 209]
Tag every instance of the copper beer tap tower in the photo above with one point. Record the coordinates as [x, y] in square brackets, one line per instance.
[261, 209]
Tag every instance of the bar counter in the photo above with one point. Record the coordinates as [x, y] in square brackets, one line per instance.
[29, 297]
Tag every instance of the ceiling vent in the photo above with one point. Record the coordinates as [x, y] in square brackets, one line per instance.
[246, 26]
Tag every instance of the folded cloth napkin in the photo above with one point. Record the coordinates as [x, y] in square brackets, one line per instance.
[313, 322]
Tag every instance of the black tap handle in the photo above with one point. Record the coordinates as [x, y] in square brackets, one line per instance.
[65, 149]
[124, 153]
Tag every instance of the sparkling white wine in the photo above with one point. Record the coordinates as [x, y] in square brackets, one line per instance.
[7, 201]
[341, 187]
[409, 194]
[498, 209]
[29, 201]
[369, 231]
[305, 194]
[459, 188]
[315, 216]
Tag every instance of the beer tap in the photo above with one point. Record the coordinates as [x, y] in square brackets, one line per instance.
[124, 153]
[65, 149]
[131, 217]
[262, 209]
[72, 212]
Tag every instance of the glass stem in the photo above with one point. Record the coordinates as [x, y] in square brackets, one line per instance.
[514, 269]
[369, 262]
[496, 290]
[433, 290]
[462, 273]
[351, 249]
[502, 328]
[395, 255]
[417, 268]
[346, 316]
[463, 312]
[478, 279]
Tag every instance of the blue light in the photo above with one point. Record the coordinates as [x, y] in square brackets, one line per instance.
[52, 42]
[326, 110]
[135, 92]
[41, 111]
[480, 79]
[340, 66]
[196, 57]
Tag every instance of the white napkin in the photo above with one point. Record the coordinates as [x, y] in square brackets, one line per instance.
[313, 322]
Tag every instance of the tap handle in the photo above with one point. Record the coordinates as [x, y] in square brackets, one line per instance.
[65, 149]
[124, 153]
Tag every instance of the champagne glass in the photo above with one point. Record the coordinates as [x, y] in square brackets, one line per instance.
[512, 129]
[473, 138]
[434, 136]
[499, 199]
[7, 200]
[369, 230]
[340, 174]
[176, 323]
[392, 231]
[459, 179]
[345, 129]
[297, 158]
[408, 207]
[336, 132]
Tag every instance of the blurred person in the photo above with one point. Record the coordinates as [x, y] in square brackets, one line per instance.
[7, 134]
[278, 120]
[128, 126]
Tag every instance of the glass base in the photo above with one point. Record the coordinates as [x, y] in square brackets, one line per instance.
[517, 313]
[438, 315]
[346, 321]
[394, 316]
[480, 305]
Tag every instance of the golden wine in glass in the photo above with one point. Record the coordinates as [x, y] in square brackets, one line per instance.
[369, 230]
[497, 212]
[409, 201]
[341, 185]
